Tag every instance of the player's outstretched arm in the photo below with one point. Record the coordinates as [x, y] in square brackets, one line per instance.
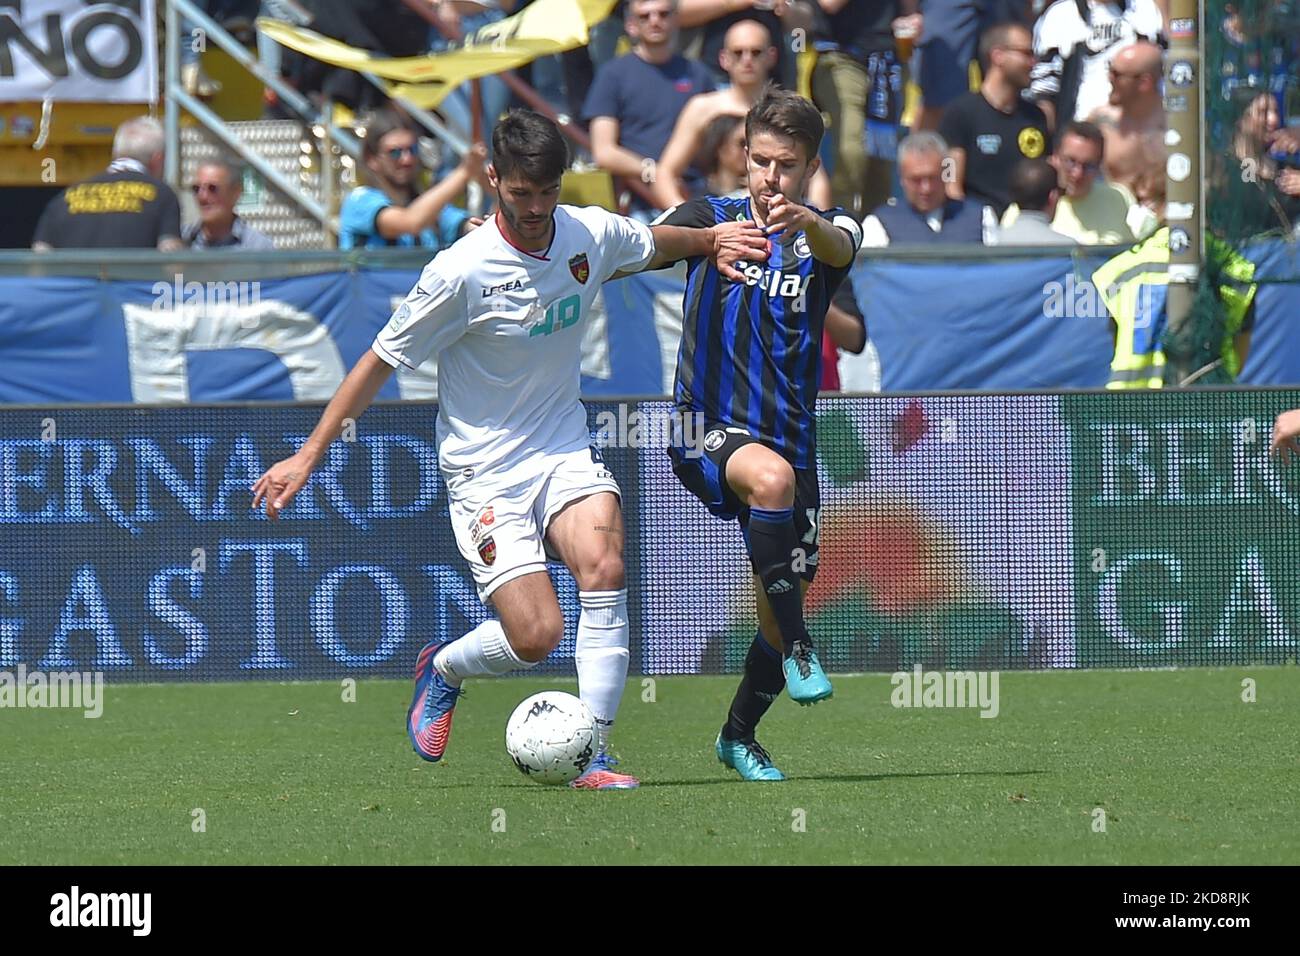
[1286, 436]
[724, 244]
[285, 479]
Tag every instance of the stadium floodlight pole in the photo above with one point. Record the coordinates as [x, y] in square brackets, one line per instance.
[1185, 192]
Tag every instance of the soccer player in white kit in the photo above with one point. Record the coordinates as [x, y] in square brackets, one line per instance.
[503, 308]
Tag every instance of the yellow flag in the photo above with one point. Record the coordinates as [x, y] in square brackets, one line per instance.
[542, 28]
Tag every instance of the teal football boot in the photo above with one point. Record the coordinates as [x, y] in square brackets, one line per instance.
[747, 758]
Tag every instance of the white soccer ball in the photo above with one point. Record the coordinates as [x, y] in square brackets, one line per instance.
[551, 737]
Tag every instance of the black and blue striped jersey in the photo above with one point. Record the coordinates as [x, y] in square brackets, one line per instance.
[750, 354]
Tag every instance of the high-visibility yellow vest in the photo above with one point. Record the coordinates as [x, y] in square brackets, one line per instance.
[1134, 285]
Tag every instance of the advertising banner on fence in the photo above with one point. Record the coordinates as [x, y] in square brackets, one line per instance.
[945, 540]
[1028, 324]
[79, 51]
[1184, 530]
[992, 532]
[127, 545]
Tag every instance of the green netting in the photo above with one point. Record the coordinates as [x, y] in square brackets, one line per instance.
[1252, 51]
[1252, 87]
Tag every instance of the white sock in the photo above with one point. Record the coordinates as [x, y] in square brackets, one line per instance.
[483, 652]
[602, 655]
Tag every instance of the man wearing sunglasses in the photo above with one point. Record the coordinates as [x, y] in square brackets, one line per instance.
[392, 211]
[1133, 120]
[747, 57]
[991, 130]
[217, 186]
[635, 99]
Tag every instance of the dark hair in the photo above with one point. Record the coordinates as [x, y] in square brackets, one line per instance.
[530, 144]
[1244, 99]
[998, 35]
[786, 114]
[1031, 184]
[378, 125]
[1084, 130]
[715, 134]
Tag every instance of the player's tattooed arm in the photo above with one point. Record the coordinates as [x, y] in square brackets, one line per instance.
[285, 479]
[828, 242]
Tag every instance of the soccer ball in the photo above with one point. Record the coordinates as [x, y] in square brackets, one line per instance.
[551, 737]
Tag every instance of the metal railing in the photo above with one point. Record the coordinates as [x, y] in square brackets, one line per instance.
[148, 263]
[176, 99]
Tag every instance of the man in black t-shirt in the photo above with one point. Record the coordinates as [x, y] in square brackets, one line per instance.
[125, 207]
[990, 131]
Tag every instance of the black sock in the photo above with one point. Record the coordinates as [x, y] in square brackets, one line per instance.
[762, 684]
[772, 541]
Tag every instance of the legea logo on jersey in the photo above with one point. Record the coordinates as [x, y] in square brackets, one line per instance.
[773, 281]
[400, 316]
[512, 286]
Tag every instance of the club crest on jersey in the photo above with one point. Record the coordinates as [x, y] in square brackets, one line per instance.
[714, 439]
[579, 267]
[487, 550]
[801, 247]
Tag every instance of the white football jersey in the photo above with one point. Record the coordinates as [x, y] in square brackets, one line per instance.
[506, 326]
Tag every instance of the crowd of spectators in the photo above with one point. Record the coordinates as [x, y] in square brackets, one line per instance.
[1029, 122]
[1077, 84]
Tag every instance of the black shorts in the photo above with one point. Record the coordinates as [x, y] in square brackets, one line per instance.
[703, 471]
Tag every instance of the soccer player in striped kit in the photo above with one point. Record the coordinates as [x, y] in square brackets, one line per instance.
[749, 368]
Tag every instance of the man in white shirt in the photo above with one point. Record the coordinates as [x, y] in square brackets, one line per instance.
[1074, 43]
[502, 309]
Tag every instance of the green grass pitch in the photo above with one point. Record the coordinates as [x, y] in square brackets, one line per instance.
[1184, 770]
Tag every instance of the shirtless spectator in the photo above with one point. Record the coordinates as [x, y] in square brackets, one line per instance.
[715, 17]
[1133, 122]
[748, 57]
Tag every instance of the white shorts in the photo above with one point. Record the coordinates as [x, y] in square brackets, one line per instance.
[501, 528]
